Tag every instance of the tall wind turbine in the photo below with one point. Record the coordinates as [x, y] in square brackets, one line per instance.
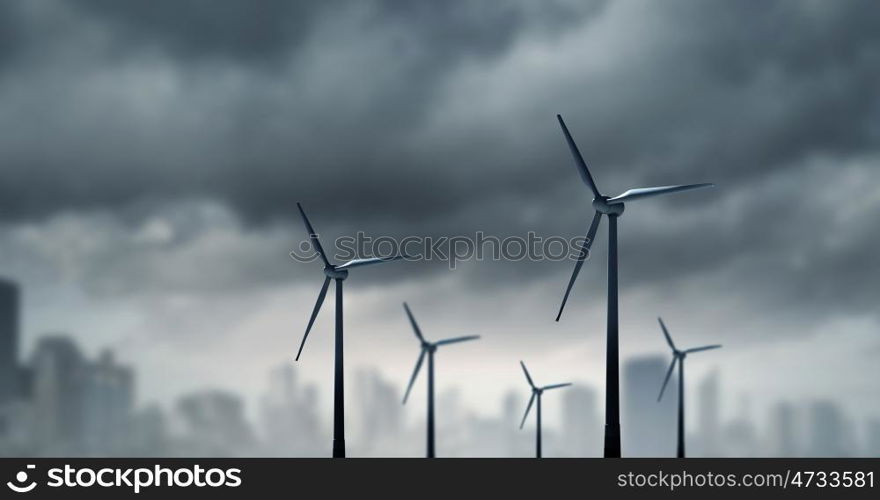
[678, 356]
[428, 348]
[537, 392]
[613, 208]
[338, 273]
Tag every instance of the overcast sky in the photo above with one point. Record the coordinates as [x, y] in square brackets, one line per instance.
[151, 155]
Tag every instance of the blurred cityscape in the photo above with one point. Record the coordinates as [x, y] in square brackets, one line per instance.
[59, 403]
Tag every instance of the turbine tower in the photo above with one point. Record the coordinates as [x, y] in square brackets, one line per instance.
[678, 356]
[537, 392]
[613, 208]
[338, 273]
[428, 348]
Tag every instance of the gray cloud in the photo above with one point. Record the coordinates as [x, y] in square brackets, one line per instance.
[438, 118]
[195, 30]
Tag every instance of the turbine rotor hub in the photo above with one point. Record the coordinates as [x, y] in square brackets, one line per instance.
[337, 274]
[602, 206]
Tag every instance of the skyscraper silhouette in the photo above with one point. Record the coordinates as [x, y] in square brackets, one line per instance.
[108, 402]
[58, 395]
[290, 423]
[740, 434]
[648, 425]
[873, 439]
[783, 430]
[708, 416]
[828, 431]
[380, 412]
[9, 323]
[580, 422]
[215, 424]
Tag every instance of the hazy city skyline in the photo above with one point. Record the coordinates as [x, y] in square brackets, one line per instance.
[72, 405]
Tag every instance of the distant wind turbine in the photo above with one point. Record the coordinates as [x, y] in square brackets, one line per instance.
[338, 273]
[613, 208]
[537, 392]
[678, 356]
[428, 348]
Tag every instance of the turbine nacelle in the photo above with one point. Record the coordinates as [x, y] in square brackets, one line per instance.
[336, 274]
[601, 205]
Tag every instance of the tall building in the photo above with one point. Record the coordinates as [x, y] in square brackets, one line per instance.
[214, 424]
[288, 413]
[149, 436]
[517, 442]
[380, 412]
[108, 400]
[580, 422]
[649, 427]
[9, 323]
[740, 434]
[784, 429]
[873, 439]
[829, 435]
[59, 374]
[708, 415]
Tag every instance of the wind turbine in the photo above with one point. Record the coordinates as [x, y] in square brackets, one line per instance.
[537, 392]
[678, 356]
[338, 273]
[613, 208]
[428, 348]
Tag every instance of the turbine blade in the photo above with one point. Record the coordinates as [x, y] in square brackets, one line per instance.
[555, 386]
[635, 194]
[704, 348]
[529, 407]
[579, 160]
[313, 236]
[668, 374]
[526, 371]
[367, 262]
[588, 242]
[415, 373]
[455, 340]
[412, 321]
[314, 315]
[666, 334]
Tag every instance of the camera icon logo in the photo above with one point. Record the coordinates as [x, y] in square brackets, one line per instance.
[20, 478]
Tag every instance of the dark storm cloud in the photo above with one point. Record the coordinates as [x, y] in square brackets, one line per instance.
[725, 91]
[14, 36]
[807, 74]
[441, 31]
[307, 123]
[378, 116]
[193, 30]
[731, 90]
